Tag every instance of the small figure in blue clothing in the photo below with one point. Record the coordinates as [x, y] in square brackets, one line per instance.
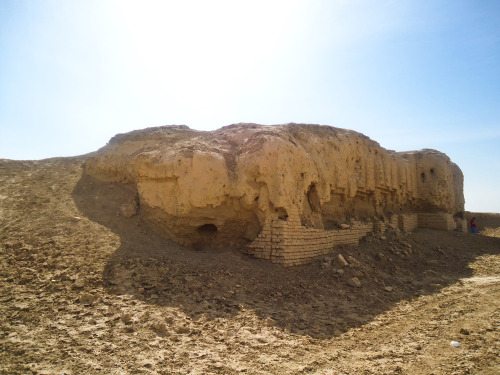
[473, 226]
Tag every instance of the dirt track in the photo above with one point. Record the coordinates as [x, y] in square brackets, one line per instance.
[84, 290]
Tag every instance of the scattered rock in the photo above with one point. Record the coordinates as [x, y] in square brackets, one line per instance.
[340, 261]
[79, 283]
[354, 282]
[129, 209]
[122, 277]
[353, 260]
[159, 328]
[14, 245]
[22, 306]
[126, 318]
[464, 331]
[339, 271]
[388, 289]
[270, 322]
[435, 285]
[327, 263]
[87, 298]
[359, 274]
[182, 329]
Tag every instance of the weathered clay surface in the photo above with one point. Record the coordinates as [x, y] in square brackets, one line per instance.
[220, 188]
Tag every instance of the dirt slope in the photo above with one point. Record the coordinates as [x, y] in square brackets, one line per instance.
[84, 290]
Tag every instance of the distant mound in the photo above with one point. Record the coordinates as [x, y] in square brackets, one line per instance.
[220, 188]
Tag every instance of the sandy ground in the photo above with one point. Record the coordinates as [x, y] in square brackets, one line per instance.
[84, 290]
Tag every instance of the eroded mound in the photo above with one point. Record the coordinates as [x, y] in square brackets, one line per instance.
[220, 188]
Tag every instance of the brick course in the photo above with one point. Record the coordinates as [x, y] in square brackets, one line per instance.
[440, 221]
[289, 243]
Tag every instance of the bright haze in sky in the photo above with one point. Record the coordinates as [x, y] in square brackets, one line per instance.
[409, 74]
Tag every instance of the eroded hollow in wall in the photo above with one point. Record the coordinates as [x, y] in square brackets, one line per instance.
[206, 236]
[219, 227]
[333, 212]
[313, 198]
[281, 213]
[311, 209]
[206, 229]
[340, 209]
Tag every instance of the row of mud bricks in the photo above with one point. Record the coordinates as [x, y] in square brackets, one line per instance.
[291, 244]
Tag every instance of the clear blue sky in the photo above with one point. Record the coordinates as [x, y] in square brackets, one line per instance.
[409, 74]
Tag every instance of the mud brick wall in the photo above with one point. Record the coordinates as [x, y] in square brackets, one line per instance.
[461, 225]
[394, 221]
[408, 222]
[439, 221]
[262, 245]
[379, 227]
[404, 222]
[291, 244]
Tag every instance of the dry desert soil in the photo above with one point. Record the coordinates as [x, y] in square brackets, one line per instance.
[84, 290]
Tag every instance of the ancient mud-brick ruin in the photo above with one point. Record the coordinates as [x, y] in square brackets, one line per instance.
[287, 193]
